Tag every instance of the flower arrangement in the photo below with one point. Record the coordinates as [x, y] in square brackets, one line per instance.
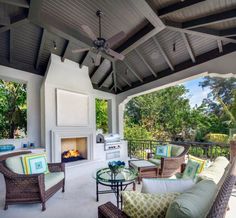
[116, 166]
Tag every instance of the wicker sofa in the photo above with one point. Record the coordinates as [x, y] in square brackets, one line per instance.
[218, 205]
[36, 188]
[168, 166]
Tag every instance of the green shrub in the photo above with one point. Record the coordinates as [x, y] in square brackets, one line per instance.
[137, 132]
[217, 138]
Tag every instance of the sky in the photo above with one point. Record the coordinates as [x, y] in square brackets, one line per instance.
[196, 93]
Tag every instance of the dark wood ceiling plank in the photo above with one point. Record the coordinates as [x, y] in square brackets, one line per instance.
[132, 71]
[188, 46]
[21, 66]
[207, 31]
[93, 72]
[4, 21]
[210, 19]
[149, 13]
[228, 32]
[125, 80]
[104, 78]
[177, 6]
[196, 32]
[119, 87]
[137, 39]
[114, 76]
[54, 26]
[111, 87]
[17, 3]
[145, 62]
[163, 53]
[40, 51]
[96, 68]
[16, 23]
[147, 32]
[85, 58]
[11, 48]
[66, 51]
[104, 89]
[220, 46]
[228, 48]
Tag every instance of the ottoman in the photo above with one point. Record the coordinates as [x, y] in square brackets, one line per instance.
[145, 169]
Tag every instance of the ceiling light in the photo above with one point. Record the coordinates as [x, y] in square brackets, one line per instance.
[54, 45]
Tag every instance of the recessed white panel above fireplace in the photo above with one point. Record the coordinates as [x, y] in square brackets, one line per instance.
[72, 108]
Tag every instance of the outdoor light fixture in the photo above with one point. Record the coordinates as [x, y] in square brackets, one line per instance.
[54, 45]
[174, 47]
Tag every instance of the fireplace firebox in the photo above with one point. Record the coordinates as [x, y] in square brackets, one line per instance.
[74, 149]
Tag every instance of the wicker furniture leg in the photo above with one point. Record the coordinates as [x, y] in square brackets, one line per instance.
[134, 186]
[63, 187]
[6, 206]
[43, 206]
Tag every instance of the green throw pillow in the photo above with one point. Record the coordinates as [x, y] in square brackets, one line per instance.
[190, 170]
[142, 205]
[163, 151]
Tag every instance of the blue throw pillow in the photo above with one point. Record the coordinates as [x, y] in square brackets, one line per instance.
[163, 151]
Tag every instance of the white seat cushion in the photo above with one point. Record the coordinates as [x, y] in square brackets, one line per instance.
[52, 179]
[159, 186]
[14, 164]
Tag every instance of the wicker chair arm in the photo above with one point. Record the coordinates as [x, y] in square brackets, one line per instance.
[183, 166]
[109, 210]
[56, 167]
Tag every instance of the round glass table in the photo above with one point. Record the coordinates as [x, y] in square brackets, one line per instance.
[116, 181]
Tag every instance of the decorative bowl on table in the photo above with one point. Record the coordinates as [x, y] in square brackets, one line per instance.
[116, 166]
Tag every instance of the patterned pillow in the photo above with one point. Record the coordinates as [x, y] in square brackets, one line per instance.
[142, 205]
[163, 151]
[34, 163]
[201, 162]
[190, 170]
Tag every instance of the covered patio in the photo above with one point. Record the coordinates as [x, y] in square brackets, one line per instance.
[69, 53]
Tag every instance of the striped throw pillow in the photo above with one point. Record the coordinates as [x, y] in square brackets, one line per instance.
[34, 163]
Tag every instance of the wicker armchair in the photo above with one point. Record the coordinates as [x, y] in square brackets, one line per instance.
[28, 188]
[171, 165]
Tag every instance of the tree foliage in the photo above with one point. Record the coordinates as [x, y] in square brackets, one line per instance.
[13, 109]
[102, 115]
[167, 114]
[221, 100]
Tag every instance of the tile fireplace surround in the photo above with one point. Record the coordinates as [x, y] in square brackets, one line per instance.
[58, 135]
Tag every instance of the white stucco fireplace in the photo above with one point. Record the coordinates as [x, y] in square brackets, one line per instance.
[59, 121]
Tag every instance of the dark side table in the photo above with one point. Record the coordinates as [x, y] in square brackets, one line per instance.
[145, 169]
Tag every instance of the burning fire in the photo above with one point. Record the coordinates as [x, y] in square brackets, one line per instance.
[71, 153]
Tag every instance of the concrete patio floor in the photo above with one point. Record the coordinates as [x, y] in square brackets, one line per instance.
[79, 200]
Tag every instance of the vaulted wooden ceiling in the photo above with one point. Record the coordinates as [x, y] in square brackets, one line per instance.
[162, 36]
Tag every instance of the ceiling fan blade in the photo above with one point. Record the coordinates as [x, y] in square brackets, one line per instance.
[97, 59]
[78, 50]
[115, 54]
[89, 32]
[116, 38]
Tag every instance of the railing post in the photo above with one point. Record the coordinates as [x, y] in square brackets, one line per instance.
[232, 150]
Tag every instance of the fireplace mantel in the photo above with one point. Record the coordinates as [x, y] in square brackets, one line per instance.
[57, 135]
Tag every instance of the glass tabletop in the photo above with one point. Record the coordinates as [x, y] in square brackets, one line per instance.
[126, 175]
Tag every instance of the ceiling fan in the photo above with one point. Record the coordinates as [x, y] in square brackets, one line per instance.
[100, 44]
